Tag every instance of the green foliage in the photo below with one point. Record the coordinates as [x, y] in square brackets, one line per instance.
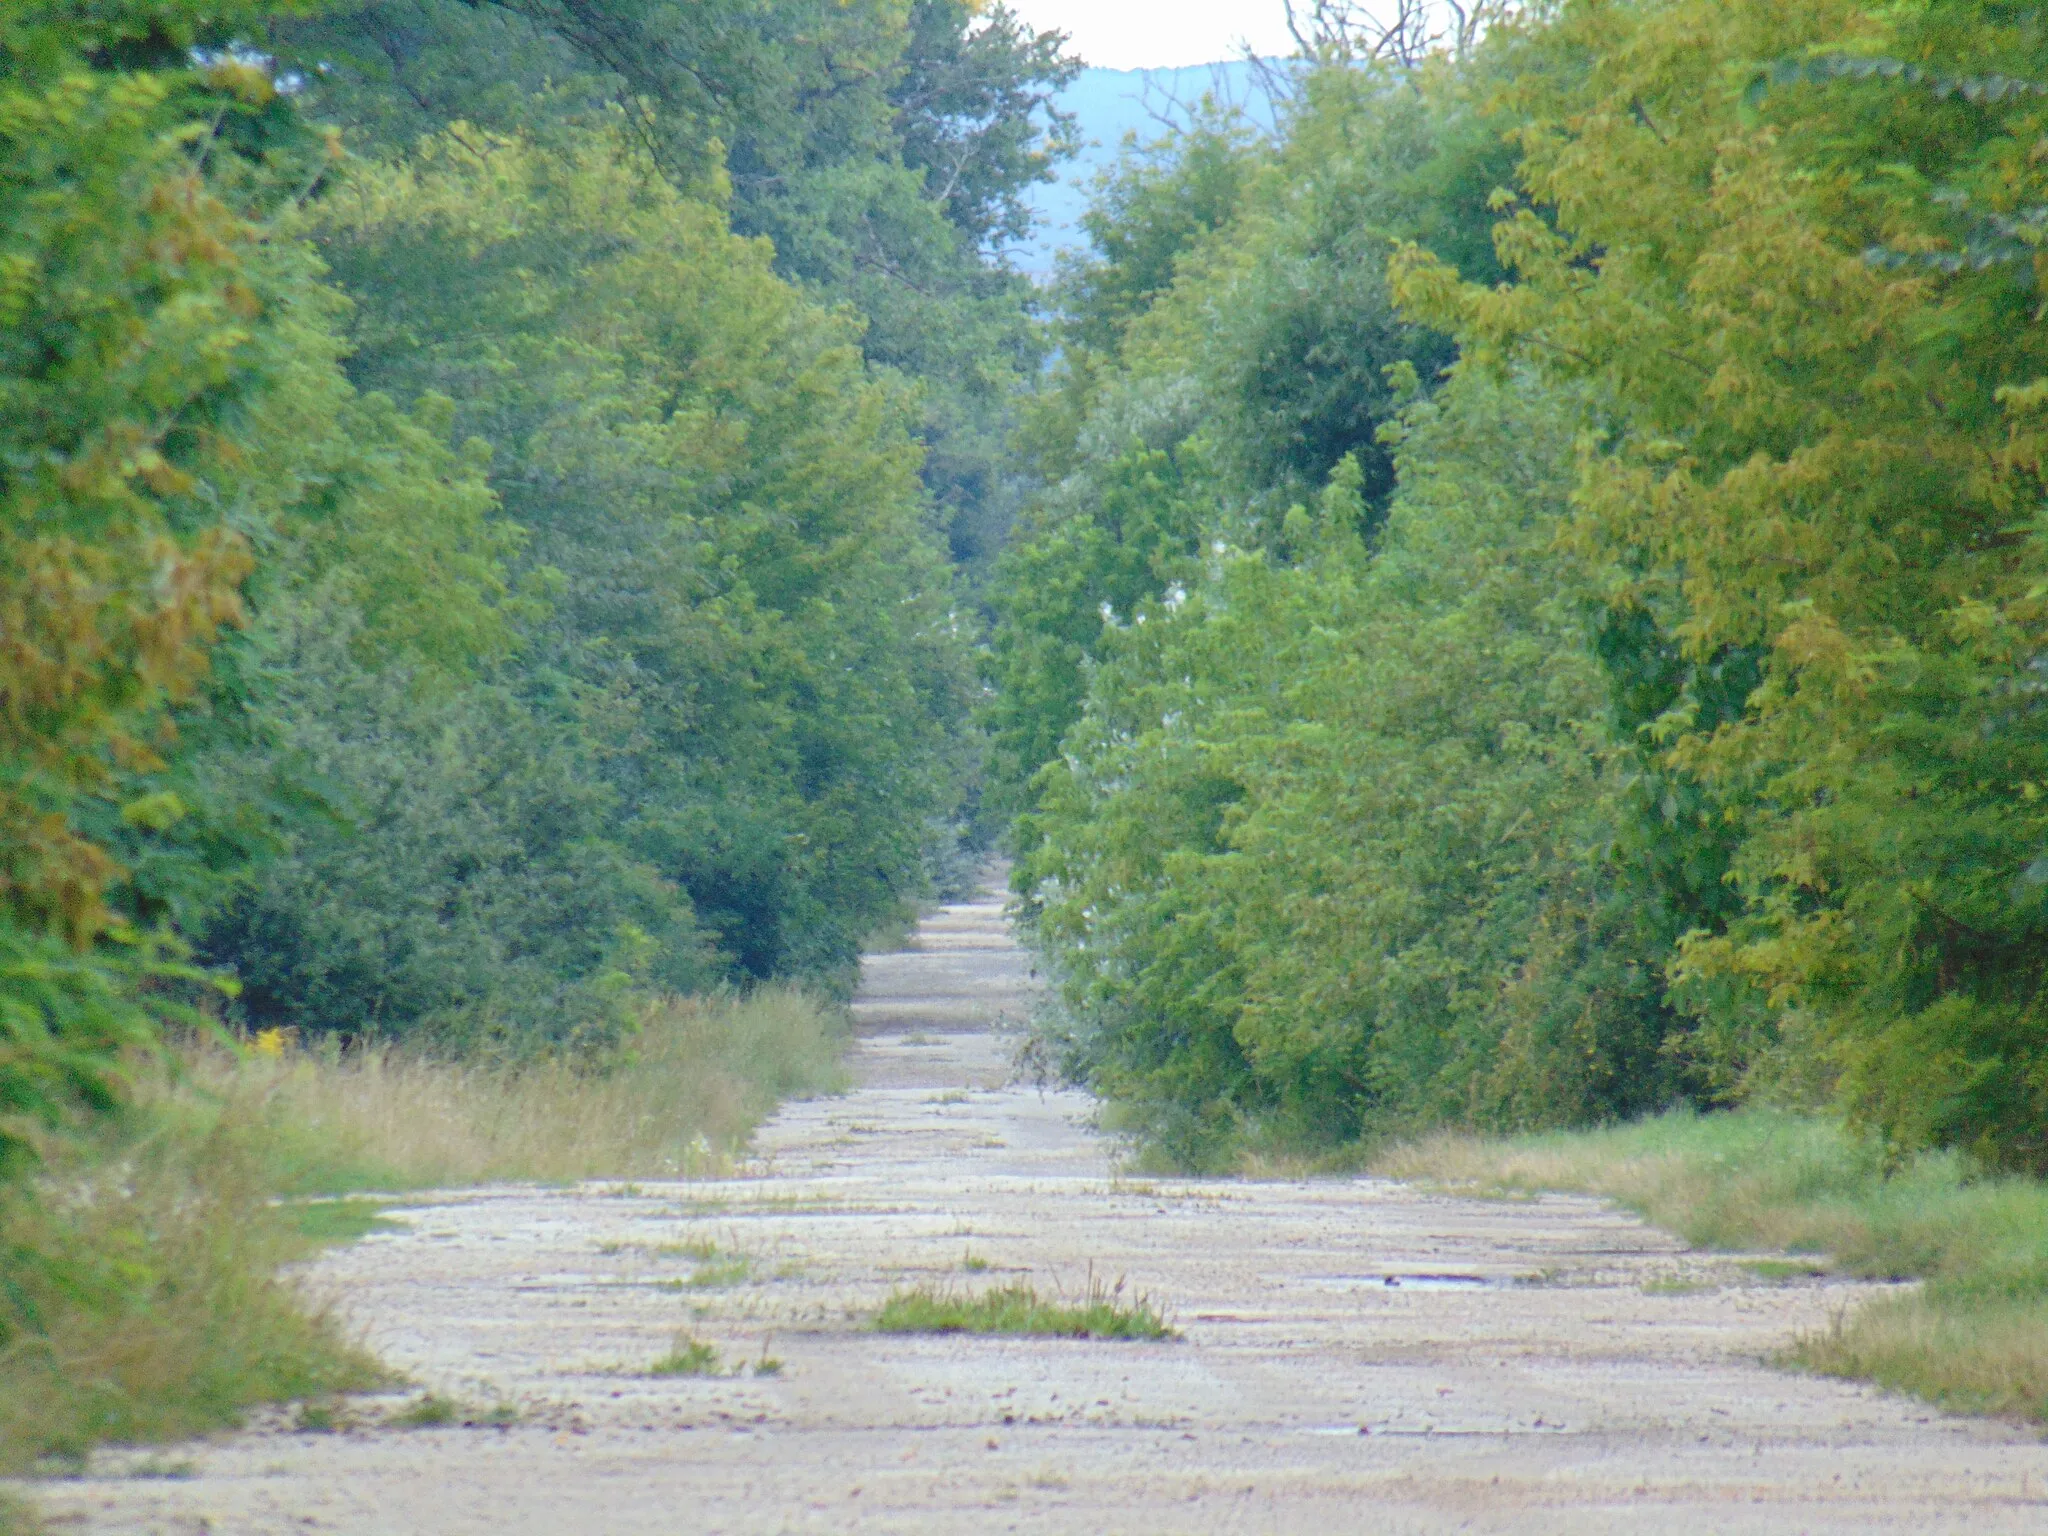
[882, 147]
[1232, 321]
[1084, 563]
[142, 318]
[747, 622]
[1748, 802]
[1822, 459]
[465, 880]
[542, 614]
[1321, 857]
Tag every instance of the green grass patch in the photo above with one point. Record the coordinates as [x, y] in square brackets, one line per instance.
[1103, 1313]
[1785, 1271]
[1974, 1337]
[429, 1412]
[1678, 1285]
[160, 1469]
[320, 1223]
[436, 1412]
[687, 1357]
[717, 1274]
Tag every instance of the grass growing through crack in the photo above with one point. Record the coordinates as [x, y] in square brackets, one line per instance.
[1018, 1308]
[687, 1357]
[1973, 1337]
[430, 1412]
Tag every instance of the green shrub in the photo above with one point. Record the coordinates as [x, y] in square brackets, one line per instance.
[1324, 855]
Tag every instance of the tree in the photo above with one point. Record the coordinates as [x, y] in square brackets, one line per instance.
[1792, 247]
[747, 616]
[140, 319]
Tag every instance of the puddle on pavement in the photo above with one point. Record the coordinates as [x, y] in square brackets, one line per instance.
[1404, 1282]
[1448, 1430]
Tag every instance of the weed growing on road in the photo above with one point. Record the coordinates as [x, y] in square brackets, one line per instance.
[436, 1412]
[1974, 1338]
[321, 1419]
[687, 1357]
[157, 1469]
[725, 1270]
[430, 1412]
[1103, 1313]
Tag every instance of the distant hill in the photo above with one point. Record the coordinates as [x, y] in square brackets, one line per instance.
[1110, 103]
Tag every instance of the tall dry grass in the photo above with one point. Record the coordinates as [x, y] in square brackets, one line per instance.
[141, 1288]
[1973, 1337]
[677, 1102]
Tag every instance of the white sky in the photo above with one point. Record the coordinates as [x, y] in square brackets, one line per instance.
[1159, 34]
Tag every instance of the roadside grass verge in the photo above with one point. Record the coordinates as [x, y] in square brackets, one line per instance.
[1972, 1337]
[144, 1294]
[678, 1101]
[141, 1301]
[1018, 1308]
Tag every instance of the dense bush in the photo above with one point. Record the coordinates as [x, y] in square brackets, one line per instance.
[1750, 804]
[1324, 854]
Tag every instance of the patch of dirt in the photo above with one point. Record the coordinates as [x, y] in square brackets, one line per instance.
[1355, 1355]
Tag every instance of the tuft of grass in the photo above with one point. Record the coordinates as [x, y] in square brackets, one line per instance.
[429, 1412]
[436, 1412]
[719, 1273]
[973, 1263]
[320, 1419]
[1103, 1313]
[156, 1468]
[1678, 1285]
[1974, 1337]
[687, 1357]
[1781, 1271]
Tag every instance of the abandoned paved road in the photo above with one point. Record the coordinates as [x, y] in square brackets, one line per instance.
[1357, 1356]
